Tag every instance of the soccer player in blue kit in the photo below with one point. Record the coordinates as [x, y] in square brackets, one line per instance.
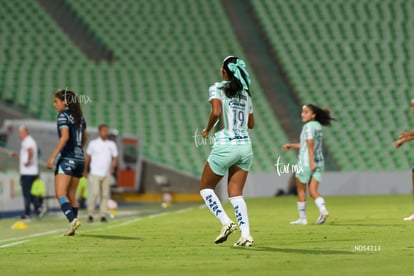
[68, 154]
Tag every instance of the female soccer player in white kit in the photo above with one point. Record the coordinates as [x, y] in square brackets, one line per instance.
[311, 160]
[231, 115]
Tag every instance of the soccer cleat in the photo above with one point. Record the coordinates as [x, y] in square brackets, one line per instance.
[410, 218]
[322, 218]
[25, 218]
[244, 242]
[300, 221]
[90, 219]
[72, 227]
[226, 230]
[103, 219]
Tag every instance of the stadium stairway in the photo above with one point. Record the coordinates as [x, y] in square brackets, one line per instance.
[75, 28]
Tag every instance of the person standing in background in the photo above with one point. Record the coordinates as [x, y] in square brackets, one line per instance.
[28, 168]
[102, 156]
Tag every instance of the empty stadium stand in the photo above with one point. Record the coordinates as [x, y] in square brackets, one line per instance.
[167, 54]
[354, 57]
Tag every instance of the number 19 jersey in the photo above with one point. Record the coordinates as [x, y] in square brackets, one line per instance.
[231, 127]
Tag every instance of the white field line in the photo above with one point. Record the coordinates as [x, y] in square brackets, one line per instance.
[33, 235]
[22, 239]
[13, 243]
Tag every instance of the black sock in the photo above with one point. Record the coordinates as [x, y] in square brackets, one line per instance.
[67, 211]
[75, 211]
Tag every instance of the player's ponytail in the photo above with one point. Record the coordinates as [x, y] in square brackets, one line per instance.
[323, 116]
[239, 78]
[72, 102]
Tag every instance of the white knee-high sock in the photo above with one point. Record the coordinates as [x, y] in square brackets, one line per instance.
[214, 204]
[240, 209]
[320, 203]
[302, 209]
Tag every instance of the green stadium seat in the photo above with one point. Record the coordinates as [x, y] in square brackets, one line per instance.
[355, 57]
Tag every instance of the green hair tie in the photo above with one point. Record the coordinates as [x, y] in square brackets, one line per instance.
[235, 69]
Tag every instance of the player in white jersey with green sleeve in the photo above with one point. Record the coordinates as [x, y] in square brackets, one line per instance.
[231, 116]
[232, 126]
[311, 130]
[311, 161]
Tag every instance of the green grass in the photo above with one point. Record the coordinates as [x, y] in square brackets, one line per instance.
[181, 242]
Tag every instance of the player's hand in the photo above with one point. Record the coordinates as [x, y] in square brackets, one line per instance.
[50, 162]
[312, 166]
[204, 133]
[398, 143]
[13, 154]
[286, 147]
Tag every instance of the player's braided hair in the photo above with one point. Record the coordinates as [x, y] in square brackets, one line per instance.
[72, 102]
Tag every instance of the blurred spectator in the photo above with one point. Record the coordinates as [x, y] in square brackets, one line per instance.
[28, 168]
[102, 156]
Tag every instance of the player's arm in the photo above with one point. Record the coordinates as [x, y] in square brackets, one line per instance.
[114, 164]
[64, 131]
[402, 141]
[406, 134]
[84, 139]
[291, 146]
[311, 151]
[30, 156]
[86, 165]
[14, 154]
[214, 115]
[115, 158]
[250, 122]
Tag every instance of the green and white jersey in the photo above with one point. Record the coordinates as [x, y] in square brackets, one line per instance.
[231, 127]
[311, 130]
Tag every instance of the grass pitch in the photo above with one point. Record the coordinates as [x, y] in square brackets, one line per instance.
[363, 235]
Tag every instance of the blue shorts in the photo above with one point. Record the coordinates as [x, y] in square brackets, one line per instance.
[306, 174]
[222, 157]
[70, 167]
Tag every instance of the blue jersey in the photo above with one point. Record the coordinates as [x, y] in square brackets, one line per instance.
[73, 148]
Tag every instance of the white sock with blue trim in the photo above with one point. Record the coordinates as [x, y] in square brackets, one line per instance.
[240, 209]
[214, 204]
[320, 203]
[302, 209]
